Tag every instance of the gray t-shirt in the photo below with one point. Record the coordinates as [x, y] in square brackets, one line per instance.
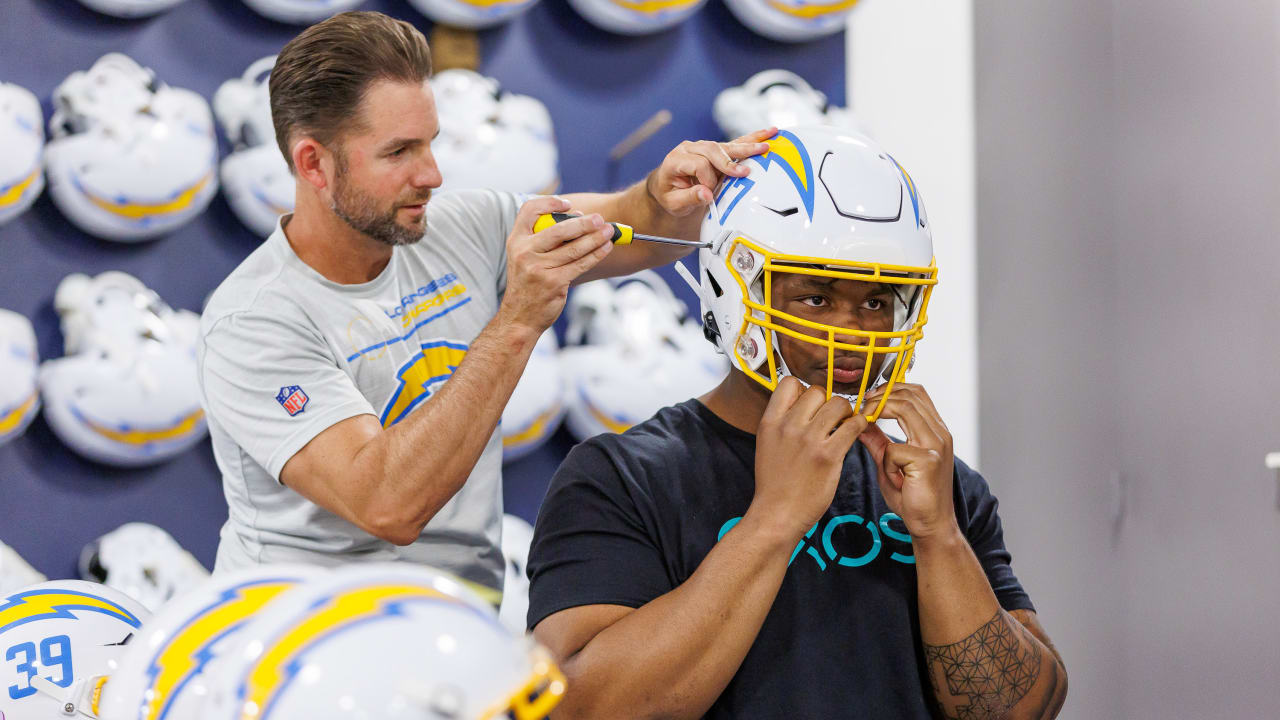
[285, 353]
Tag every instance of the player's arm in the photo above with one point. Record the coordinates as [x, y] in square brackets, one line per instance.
[984, 662]
[391, 481]
[672, 657]
[669, 202]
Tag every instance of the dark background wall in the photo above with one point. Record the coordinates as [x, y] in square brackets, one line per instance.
[598, 87]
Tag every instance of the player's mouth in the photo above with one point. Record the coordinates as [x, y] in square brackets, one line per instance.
[847, 370]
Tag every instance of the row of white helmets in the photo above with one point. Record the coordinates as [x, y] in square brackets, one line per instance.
[784, 20]
[272, 642]
[125, 392]
[132, 158]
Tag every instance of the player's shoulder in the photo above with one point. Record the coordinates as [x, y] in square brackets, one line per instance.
[655, 448]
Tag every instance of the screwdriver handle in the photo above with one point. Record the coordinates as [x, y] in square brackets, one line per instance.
[622, 234]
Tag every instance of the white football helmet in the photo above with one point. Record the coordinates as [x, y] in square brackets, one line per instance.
[382, 641]
[164, 674]
[19, 364]
[130, 8]
[15, 572]
[143, 562]
[125, 393]
[22, 162]
[472, 14]
[642, 354]
[536, 406]
[255, 176]
[776, 98]
[792, 20]
[821, 202]
[63, 639]
[491, 138]
[517, 537]
[131, 158]
[300, 12]
[636, 17]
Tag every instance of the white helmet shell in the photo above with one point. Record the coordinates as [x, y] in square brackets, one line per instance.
[126, 392]
[833, 203]
[15, 572]
[300, 12]
[776, 98]
[792, 20]
[19, 366]
[164, 674]
[130, 8]
[130, 158]
[490, 138]
[22, 162]
[517, 537]
[142, 561]
[643, 354]
[63, 638]
[472, 14]
[636, 17]
[536, 406]
[382, 641]
[255, 176]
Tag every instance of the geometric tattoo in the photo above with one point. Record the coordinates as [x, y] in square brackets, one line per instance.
[986, 673]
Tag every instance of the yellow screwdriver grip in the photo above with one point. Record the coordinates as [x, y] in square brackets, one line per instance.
[622, 234]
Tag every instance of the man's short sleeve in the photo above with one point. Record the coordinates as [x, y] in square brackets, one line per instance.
[591, 545]
[273, 386]
[986, 537]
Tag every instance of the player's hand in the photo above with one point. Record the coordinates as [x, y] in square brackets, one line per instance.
[917, 476]
[541, 265]
[800, 448]
[686, 180]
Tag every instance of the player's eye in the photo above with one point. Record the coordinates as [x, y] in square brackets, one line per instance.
[814, 301]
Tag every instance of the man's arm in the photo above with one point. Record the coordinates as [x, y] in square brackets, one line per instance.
[983, 662]
[673, 657]
[670, 202]
[391, 481]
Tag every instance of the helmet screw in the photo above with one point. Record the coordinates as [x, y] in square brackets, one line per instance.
[746, 347]
[69, 708]
[743, 260]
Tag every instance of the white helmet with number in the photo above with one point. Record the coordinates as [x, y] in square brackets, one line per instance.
[792, 20]
[472, 14]
[143, 562]
[776, 98]
[15, 572]
[382, 641]
[300, 12]
[821, 202]
[22, 162]
[164, 674]
[131, 158]
[255, 176]
[491, 138]
[642, 354]
[130, 8]
[125, 393]
[19, 364]
[636, 17]
[62, 639]
[536, 406]
[517, 538]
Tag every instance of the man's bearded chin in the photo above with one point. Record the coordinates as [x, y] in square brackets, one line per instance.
[362, 214]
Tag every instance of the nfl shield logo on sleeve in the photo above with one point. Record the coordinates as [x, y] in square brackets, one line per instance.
[292, 399]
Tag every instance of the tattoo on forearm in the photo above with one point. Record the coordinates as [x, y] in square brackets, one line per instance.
[987, 673]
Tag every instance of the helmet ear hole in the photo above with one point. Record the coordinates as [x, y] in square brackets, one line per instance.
[715, 286]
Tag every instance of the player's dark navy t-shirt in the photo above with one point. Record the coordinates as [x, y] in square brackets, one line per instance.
[629, 517]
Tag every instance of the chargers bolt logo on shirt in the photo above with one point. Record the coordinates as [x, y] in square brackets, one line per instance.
[292, 399]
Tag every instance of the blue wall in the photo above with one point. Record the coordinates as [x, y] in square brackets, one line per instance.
[598, 87]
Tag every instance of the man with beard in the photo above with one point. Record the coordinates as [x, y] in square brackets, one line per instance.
[325, 355]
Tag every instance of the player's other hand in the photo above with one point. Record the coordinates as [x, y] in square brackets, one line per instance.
[686, 180]
[800, 448]
[541, 265]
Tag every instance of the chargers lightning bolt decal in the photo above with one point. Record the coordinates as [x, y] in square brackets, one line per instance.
[35, 605]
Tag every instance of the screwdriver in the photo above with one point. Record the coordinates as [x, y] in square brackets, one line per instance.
[622, 234]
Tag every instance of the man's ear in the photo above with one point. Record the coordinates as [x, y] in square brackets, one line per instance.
[312, 162]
